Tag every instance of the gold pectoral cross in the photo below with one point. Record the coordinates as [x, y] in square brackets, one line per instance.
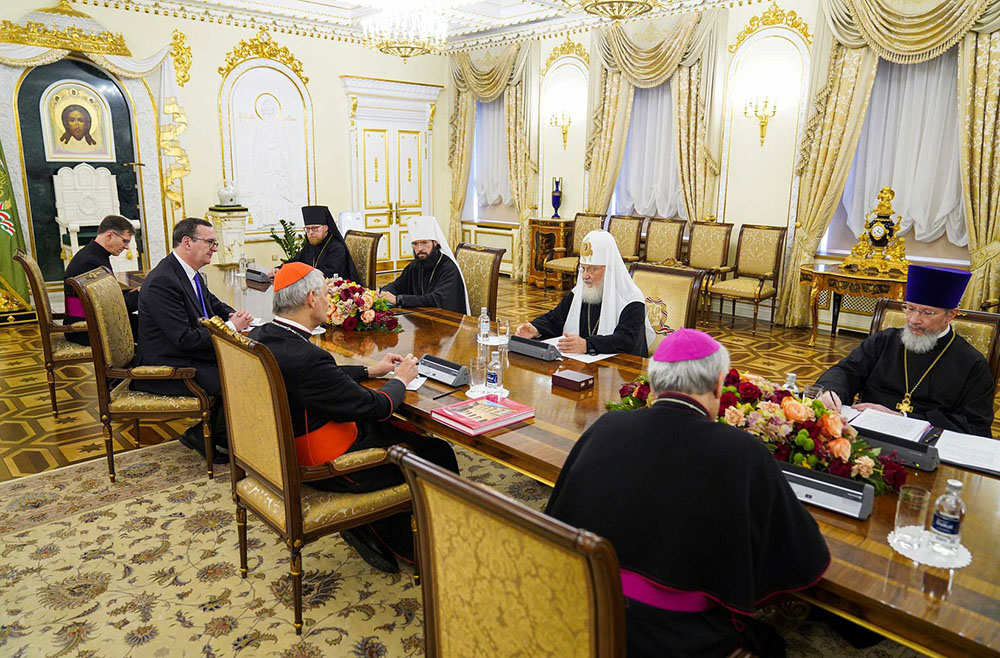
[905, 405]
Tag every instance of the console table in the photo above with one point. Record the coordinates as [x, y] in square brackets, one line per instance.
[829, 276]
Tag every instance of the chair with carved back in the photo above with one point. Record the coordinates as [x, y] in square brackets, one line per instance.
[480, 267]
[757, 270]
[113, 349]
[979, 328]
[664, 240]
[627, 232]
[56, 350]
[671, 297]
[266, 477]
[564, 262]
[708, 249]
[363, 247]
[558, 593]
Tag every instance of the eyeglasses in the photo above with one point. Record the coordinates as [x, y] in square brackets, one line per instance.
[125, 241]
[214, 244]
[315, 229]
[922, 312]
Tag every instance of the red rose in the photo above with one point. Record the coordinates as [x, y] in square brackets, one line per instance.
[350, 324]
[810, 426]
[642, 392]
[727, 400]
[782, 452]
[344, 295]
[733, 378]
[391, 323]
[893, 472]
[840, 468]
[749, 392]
[778, 396]
[627, 389]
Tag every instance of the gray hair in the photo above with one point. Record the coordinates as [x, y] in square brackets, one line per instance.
[692, 377]
[291, 298]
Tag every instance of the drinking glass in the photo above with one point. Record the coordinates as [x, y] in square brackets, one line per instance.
[503, 337]
[477, 374]
[813, 391]
[911, 515]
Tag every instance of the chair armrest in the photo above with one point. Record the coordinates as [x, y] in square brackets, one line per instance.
[725, 269]
[766, 277]
[992, 302]
[152, 372]
[630, 259]
[58, 316]
[68, 328]
[345, 464]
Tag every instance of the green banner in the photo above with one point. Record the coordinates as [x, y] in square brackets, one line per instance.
[12, 279]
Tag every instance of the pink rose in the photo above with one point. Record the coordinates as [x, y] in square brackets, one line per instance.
[368, 316]
[734, 417]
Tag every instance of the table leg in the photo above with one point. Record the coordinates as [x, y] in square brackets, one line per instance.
[814, 307]
[837, 297]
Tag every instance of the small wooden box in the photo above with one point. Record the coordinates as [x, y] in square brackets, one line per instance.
[573, 380]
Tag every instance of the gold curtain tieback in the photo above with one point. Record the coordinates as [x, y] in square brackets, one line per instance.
[984, 255]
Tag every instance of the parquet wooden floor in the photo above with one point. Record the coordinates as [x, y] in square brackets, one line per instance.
[32, 440]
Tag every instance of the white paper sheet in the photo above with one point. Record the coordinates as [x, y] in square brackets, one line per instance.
[910, 429]
[849, 412]
[585, 358]
[976, 452]
[417, 382]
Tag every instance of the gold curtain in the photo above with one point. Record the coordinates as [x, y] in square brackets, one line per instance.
[462, 124]
[486, 85]
[646, 67]
[522, 172]
[694, 163]
[606, 145]
[979, 91]
[832, 135]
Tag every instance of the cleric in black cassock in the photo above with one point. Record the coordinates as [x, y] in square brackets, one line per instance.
[333, 414]
[705, 525]
[433, 278]
[925, 369]
[324, 248]
[605, 313]
[113, 237]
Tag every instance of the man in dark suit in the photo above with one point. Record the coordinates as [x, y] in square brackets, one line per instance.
[174, 297]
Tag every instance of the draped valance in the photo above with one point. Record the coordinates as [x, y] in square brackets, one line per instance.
[909, 31]
[486, 85]
[645, 67]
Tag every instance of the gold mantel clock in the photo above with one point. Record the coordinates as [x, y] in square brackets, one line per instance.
[879, 249]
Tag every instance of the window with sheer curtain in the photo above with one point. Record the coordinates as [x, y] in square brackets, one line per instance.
[909, 142]
[649, 182]
[490, 171]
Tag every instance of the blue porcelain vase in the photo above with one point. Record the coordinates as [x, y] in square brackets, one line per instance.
[556, 198]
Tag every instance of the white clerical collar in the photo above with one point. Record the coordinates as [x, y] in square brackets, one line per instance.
[947, 328]
[292, 323]
[188, 270]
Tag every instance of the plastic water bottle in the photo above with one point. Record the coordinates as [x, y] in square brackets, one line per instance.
[483, 335]
[494, 374]
[946, 520]
[790, 384]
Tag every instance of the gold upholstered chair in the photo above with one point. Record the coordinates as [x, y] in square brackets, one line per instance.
[266, 477]
[480, 267]
[113, 349]
[671, 297]
[708, 249]
[979, 328]
[564, 262]
[627, 232]
[56, 350]
[758, 266]
[500, 579]
[664, 239]
[363, 247]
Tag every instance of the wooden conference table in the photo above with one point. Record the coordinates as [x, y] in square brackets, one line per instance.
[930, 610]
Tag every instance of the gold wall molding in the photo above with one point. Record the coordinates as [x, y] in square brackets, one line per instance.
[567, 48]
[773, 17]
[34, 33]
[430, 117]
[261, 46]
[181, 54]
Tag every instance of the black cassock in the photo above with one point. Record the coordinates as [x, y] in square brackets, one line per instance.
[957, 394]
[629, 336]
[330, 256]
[693, 506]
[434, 281]
[319, 390]
[90, 257]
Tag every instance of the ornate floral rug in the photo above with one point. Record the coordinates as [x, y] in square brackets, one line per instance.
[148, 567]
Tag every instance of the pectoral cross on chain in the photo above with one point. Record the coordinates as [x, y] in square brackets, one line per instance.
[904, 405]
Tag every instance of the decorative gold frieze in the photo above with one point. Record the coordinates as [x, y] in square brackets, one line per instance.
[261, 46]
[181, 53]
[64, 9]
[773, 17]
[35, 33]
[430, 117]
[567, 48]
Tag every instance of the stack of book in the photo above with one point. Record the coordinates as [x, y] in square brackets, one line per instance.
[482, 415]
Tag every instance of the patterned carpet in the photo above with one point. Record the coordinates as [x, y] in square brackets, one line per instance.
[148, 567]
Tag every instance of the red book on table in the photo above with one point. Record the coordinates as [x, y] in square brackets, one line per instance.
[482, 415]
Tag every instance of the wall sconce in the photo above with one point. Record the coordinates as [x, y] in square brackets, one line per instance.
[763, 111]
[561, 121]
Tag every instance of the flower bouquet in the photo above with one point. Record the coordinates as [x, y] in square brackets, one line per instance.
[805, 432]
[634, 395]
[356, 308]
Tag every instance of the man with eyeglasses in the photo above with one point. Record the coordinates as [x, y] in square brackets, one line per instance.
[174, 297]
[925, 369]
[324, 248]
[114, 234]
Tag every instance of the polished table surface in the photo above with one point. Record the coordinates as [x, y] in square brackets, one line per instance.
[951, 613]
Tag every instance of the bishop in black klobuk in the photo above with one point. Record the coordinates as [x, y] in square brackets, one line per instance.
[324, 248]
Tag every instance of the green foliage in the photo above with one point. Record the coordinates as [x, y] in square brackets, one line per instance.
[289, 241]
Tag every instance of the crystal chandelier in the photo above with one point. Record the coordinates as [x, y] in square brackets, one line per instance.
[615, 9]
[405, 33]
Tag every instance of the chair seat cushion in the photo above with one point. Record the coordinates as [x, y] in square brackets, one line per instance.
[744, 287]
[319, 508]
[125, 399]
[63, 349]
[568, 264]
